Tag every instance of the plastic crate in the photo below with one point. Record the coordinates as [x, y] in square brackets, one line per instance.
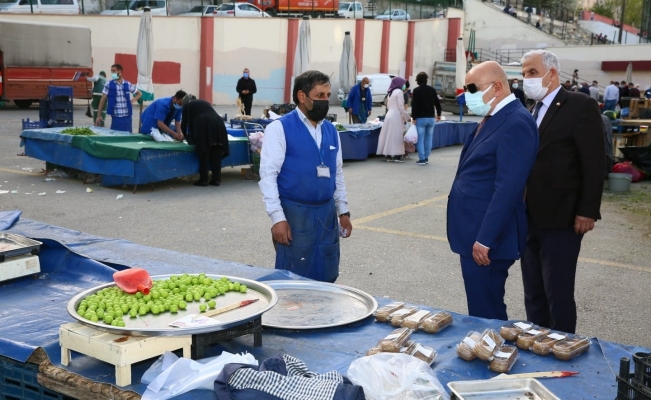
[59, 91]
[27, 124]
[60, 124]
[59, 115]
[642, 375]
[55, 104]
[18, 382]
[630, 391]
[44, 109]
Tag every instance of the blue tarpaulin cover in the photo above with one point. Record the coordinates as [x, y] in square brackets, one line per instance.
[33, 308]
[152, 165]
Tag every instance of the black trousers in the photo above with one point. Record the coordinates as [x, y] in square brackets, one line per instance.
[211, 159]
[548, 274]
[248, 102]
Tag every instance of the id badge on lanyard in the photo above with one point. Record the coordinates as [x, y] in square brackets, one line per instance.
[322, 171]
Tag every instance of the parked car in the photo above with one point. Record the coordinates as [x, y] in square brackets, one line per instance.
[240, 10]
[351, 9]
[379, 86]
[40, 6]
[196, 11]
[395, 15]
[136, 7]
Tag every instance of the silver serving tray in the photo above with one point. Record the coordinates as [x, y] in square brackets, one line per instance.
[501, 389]
[14, 245]
[315, 305]
[158, 325]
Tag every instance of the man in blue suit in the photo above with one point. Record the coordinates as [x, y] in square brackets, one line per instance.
[487, 224]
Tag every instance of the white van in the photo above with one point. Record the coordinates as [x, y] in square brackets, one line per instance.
[40, 6]
[379, 86]
[136, 7]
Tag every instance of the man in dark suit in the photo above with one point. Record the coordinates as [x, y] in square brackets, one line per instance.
[519, 94]
[486, 221]
[563, 191]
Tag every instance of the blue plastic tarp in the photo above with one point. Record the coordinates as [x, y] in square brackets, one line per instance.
[152, 165]
[33, 309]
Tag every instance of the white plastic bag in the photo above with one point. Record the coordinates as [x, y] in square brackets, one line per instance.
[160, 137]
[171, 376]
[412, 134]
[396, 376]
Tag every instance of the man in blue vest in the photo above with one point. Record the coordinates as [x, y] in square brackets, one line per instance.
[302, 183]
[116, 92]
[160, 114]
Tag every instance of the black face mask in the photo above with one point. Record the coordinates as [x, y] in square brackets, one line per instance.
[319, 110]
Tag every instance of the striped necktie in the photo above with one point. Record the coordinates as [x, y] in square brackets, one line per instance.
[481, 124]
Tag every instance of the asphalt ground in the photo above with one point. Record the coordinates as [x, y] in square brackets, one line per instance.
[398, 247]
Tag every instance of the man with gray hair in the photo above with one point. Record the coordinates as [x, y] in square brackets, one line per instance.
[563, 191]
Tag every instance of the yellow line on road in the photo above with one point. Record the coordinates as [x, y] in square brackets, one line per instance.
[13, 171]
[614, 264]
[398, 210]
[401, 233]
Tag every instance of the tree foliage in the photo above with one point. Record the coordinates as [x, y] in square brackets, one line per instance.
[612, 9]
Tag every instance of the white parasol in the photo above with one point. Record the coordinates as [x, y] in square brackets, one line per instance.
[303, 48]
[629, 73]
[347, 66]
[145, 57]
[461, 66]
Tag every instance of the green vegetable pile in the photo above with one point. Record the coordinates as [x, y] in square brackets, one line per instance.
[78, 131]
[340, 128]
[169, 295]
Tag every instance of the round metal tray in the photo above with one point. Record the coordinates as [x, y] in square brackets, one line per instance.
[158, 325]
[314, 305]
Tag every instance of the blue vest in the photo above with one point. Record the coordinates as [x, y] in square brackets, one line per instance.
[298, 180]
[113, 95]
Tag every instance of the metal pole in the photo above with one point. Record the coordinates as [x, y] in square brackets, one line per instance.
[202, 8]
[83, 11]
[31, 6]
[621, 22]
[126, 5]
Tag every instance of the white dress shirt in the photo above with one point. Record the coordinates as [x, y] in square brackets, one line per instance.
[611, 93]
[272, 158]
[547, 101]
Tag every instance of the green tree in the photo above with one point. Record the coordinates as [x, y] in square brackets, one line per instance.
[606, 8]
[612, 9]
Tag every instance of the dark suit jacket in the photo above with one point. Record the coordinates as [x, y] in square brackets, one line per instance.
[567, 179]
[486, 202]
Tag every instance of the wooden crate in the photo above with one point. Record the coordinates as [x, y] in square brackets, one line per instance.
[119, 350]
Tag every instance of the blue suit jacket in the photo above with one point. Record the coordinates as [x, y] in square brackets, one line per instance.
[355, 98]
[486, 202]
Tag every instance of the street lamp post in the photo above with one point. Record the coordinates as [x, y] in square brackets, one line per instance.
[621, 21]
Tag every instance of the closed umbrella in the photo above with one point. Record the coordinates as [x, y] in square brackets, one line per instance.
[461, 66]
[347, 66]
[145, 57]
[303, 48]
[629, 73]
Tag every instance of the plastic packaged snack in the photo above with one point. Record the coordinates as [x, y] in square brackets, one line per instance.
[396, 340]
[373, 350]
[414, 320]
[526, 339]
[437, 322]
[504, 358]
[488, 344]
[543, 345]
[406, 346]
[397, 317]
[571, 347]
[422, 352]
[382, 313]
[511, 330]
[466, 349]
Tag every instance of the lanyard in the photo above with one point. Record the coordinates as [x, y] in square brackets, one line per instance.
[319, 148]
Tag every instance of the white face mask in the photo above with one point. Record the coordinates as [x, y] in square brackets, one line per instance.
[534, 89]
[515, 86]
[365, 86]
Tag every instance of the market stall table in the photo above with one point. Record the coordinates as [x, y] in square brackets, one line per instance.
[360, 141]
[40, 303]
[124, 158]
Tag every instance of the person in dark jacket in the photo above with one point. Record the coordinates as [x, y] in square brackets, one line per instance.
[517, 92]
[205, 129]
[585, 88]
[360, 102]
[423, 103]
[246, 89]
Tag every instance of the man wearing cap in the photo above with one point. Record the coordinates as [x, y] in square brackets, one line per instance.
[160, 114]
[98, 85]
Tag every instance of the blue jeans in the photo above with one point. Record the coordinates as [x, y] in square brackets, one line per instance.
[425, 128]
[610, 105]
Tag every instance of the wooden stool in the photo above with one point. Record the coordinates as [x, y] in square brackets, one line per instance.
[119, 350]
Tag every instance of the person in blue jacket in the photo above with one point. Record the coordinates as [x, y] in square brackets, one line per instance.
[360, 102]
[160, 114]
[486, 220]
[302, 183]
[117, 92]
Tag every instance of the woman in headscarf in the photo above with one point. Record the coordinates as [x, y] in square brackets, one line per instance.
[205, 129]
[391, 143]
